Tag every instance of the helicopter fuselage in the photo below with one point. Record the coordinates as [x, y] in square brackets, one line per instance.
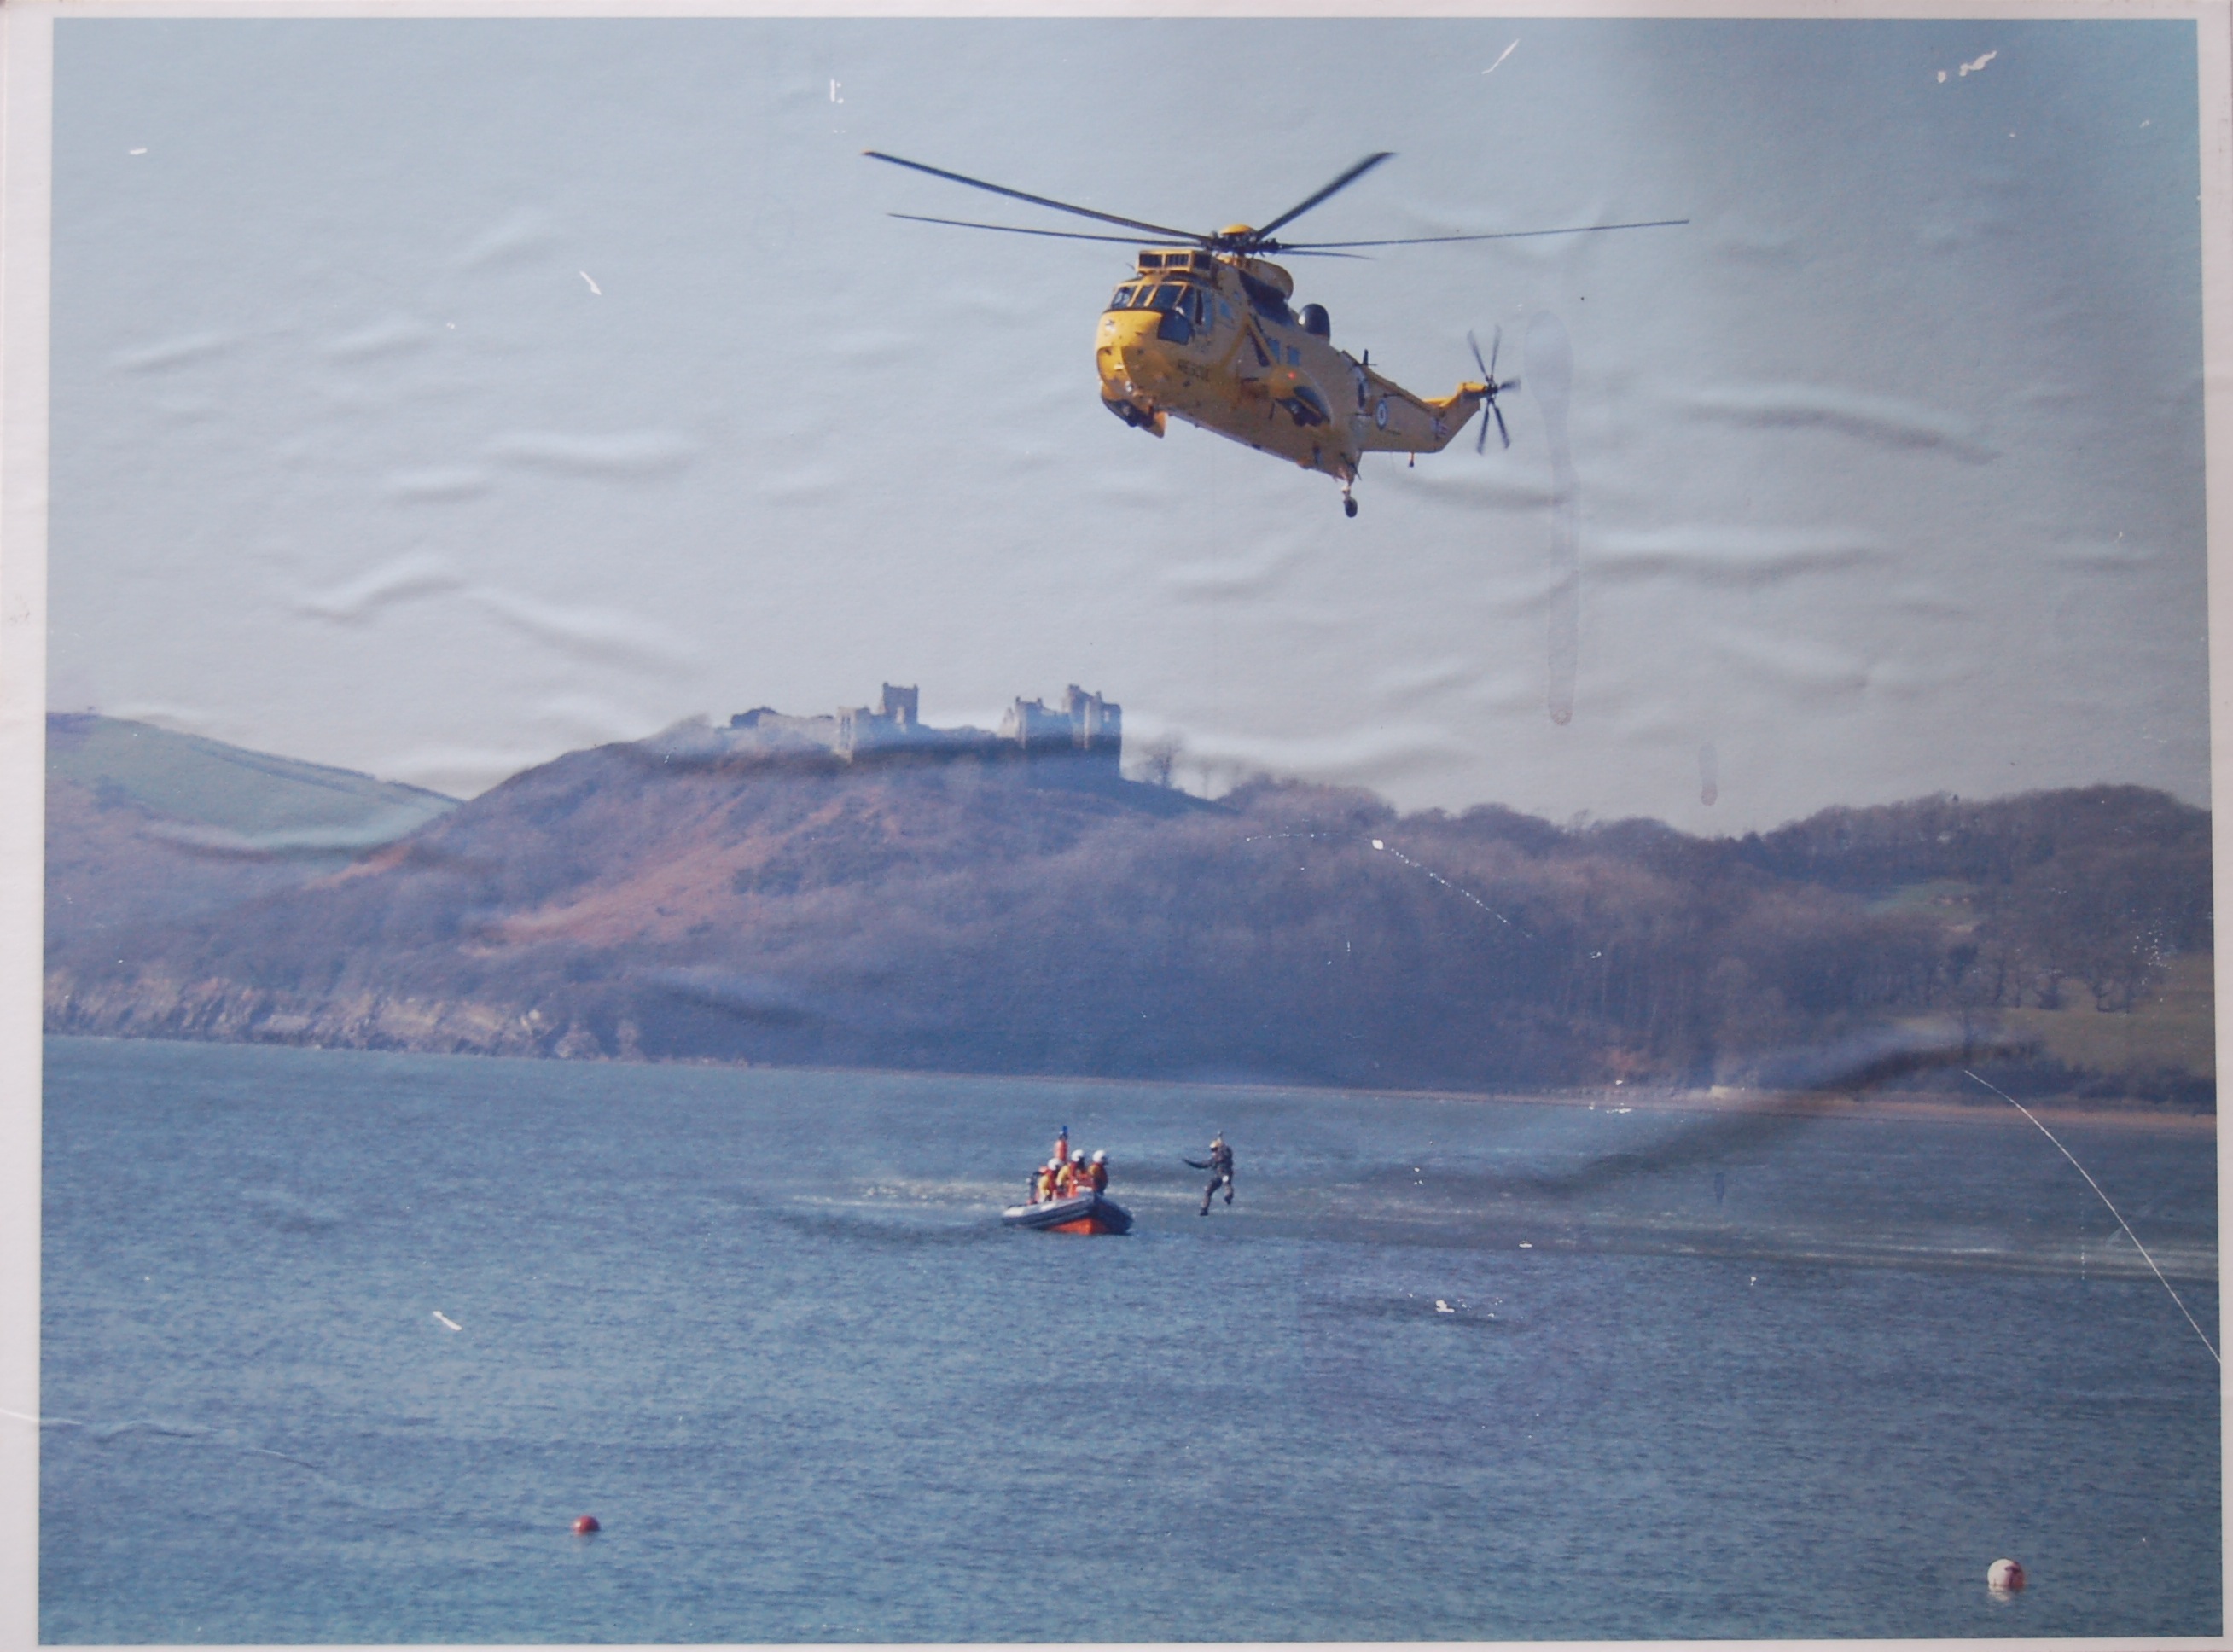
[1209, 337]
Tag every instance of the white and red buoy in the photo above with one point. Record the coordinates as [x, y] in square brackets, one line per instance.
[2005, 1576]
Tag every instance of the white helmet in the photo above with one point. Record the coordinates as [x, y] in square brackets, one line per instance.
[1100, 1157]
[1078, 1157]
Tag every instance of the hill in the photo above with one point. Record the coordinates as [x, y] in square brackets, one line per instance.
[145, 824]
[672, 900]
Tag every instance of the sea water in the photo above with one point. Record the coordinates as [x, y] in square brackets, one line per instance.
[336, 1347]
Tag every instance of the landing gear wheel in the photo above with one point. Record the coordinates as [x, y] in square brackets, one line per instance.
[1348, 507]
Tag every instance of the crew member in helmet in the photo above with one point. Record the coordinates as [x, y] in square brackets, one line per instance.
[1220, 1166]
[1098, 1172]
[1043, 1186]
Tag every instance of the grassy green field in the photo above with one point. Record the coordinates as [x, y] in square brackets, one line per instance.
[2172, 1028]
[206, 782]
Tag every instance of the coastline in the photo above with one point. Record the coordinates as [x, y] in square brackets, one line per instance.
[1936, 1106]
[1930, 1105]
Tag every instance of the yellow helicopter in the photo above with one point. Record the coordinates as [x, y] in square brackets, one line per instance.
[1204, 331]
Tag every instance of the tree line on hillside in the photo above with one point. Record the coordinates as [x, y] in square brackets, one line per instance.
[959, 916]
[2101, 886]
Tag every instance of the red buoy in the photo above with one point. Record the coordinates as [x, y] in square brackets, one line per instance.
[586, 1525]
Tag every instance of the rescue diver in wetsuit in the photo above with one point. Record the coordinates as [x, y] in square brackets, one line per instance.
[1220, 1166]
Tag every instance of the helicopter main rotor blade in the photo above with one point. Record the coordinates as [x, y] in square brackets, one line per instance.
[1038, 200]
[1059, 235]
[1335, 187]
[1500, 235]
[1080, 234]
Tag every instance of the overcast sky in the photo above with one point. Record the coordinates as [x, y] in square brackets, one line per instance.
[433, 397]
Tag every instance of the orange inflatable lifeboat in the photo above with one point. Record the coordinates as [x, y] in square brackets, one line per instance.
[1085, 1212]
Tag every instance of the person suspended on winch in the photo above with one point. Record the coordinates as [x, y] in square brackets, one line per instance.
[1220, 1166]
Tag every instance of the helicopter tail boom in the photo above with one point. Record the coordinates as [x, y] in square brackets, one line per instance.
[1396, 421]
[1454, 411]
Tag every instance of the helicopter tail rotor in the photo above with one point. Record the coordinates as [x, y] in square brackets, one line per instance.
[1491, 389]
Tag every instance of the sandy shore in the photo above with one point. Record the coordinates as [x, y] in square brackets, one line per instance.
[1987, 1110]
[1990, 1110]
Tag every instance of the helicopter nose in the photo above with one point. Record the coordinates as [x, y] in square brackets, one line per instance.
[1123, 329]
[1118, 379]
[1123, 355]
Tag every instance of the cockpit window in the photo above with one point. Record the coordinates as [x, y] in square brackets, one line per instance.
[1184, 306]
[1172, 297]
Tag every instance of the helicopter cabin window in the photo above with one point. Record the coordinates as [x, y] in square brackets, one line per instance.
[1125, 297]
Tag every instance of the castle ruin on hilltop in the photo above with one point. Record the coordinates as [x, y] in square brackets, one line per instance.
[1086, 729]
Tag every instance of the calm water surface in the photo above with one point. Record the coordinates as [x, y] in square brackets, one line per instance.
[1445, 1369]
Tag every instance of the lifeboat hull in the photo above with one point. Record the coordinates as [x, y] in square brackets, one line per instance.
[1079, 1214]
